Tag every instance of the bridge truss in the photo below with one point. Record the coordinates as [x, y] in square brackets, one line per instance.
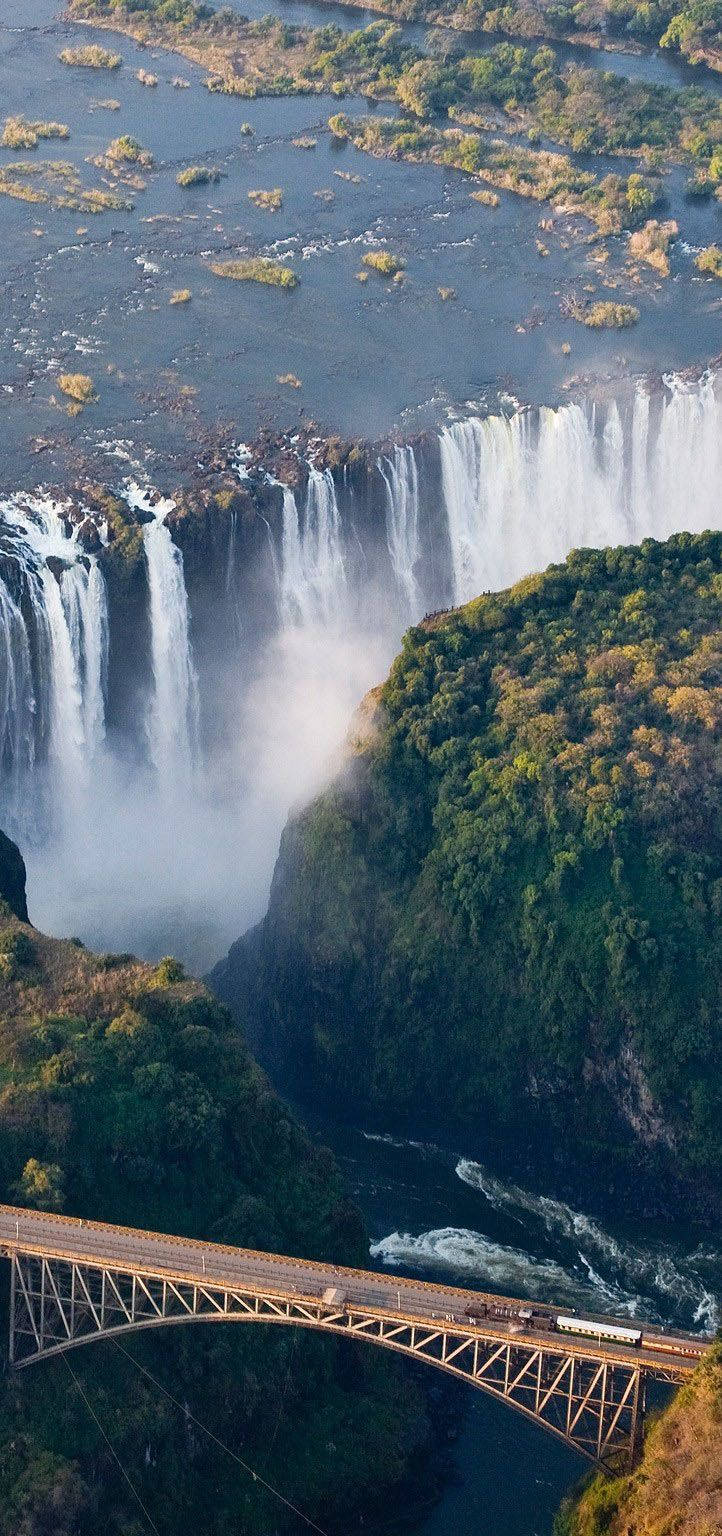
[593, 1401]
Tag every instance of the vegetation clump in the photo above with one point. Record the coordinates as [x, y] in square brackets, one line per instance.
[145, 77]
[256, 269]
[271, 198]
[79, 389]
[198, 175]
[603, 314]
[126, 150]
[180, 296]
[709, 261]
[19, 133]
[383, 262]
[91, 56]
[651, 243]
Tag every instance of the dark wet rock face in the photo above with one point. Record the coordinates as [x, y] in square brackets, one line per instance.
[12, 878]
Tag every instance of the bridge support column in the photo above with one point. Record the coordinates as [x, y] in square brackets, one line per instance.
[13, 1284]
[636, 1438]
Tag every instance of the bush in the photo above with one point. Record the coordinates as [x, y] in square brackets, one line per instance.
[78, 387]
[383, 262]
[91, 56]
[18, 133]
[270, 199]
[256, 269]
[168, 972]
[709, 261]
[608, 315]
[198, 175]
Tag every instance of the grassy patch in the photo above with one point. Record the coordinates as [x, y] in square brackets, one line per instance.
[79, 390]
[19, 133]
[198, 175]
[180, 296]
[383, 262]
[709, 261]
[126, 150]
[651, 244]
[57, 184]
[607, 315]
[91, 56]
[146, 78]
[256, 269]
[271, 199]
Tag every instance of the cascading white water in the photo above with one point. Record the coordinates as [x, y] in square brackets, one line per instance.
[17, 707]
[520, 492]
[172, 723]
[313, 570]
[401, 478]
[57, 672]
[515, 494]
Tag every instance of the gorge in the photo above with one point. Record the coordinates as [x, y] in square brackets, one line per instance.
[360, 579]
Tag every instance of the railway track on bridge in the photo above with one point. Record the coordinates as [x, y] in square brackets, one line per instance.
[582, 1379]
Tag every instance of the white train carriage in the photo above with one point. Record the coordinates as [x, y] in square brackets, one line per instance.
[590, 1328]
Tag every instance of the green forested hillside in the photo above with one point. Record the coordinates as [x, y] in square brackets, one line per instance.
[506, 911]
[127, 1094]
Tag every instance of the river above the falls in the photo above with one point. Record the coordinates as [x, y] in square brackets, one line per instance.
[92, 292]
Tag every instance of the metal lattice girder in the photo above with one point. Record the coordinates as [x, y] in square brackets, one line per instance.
[596, 1406]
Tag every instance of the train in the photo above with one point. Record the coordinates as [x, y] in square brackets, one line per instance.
[547, 1319]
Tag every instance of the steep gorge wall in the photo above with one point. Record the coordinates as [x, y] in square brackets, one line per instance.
[504, 912]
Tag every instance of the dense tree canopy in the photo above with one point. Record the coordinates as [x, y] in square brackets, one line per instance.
[507, 910]
[126, 1094]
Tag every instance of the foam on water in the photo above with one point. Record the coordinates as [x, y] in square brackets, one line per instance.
[511, 1271]
[624, 1267]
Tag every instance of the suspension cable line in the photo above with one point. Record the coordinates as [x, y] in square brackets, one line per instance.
[275, 1492]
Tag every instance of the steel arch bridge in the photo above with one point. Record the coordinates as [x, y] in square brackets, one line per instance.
[74, 1281]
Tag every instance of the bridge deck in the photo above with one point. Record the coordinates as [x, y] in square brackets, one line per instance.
[24, 1232]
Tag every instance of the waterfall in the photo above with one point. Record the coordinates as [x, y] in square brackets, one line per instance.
[522, 491]
[313, 571]
[17, 706]
[401, 480]
[506, 495]
[53, 660]
[172, 722]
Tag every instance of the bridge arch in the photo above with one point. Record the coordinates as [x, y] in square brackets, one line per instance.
[592, 1402]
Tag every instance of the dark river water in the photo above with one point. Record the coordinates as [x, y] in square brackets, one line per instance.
[92, 293]
[436, 1212]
